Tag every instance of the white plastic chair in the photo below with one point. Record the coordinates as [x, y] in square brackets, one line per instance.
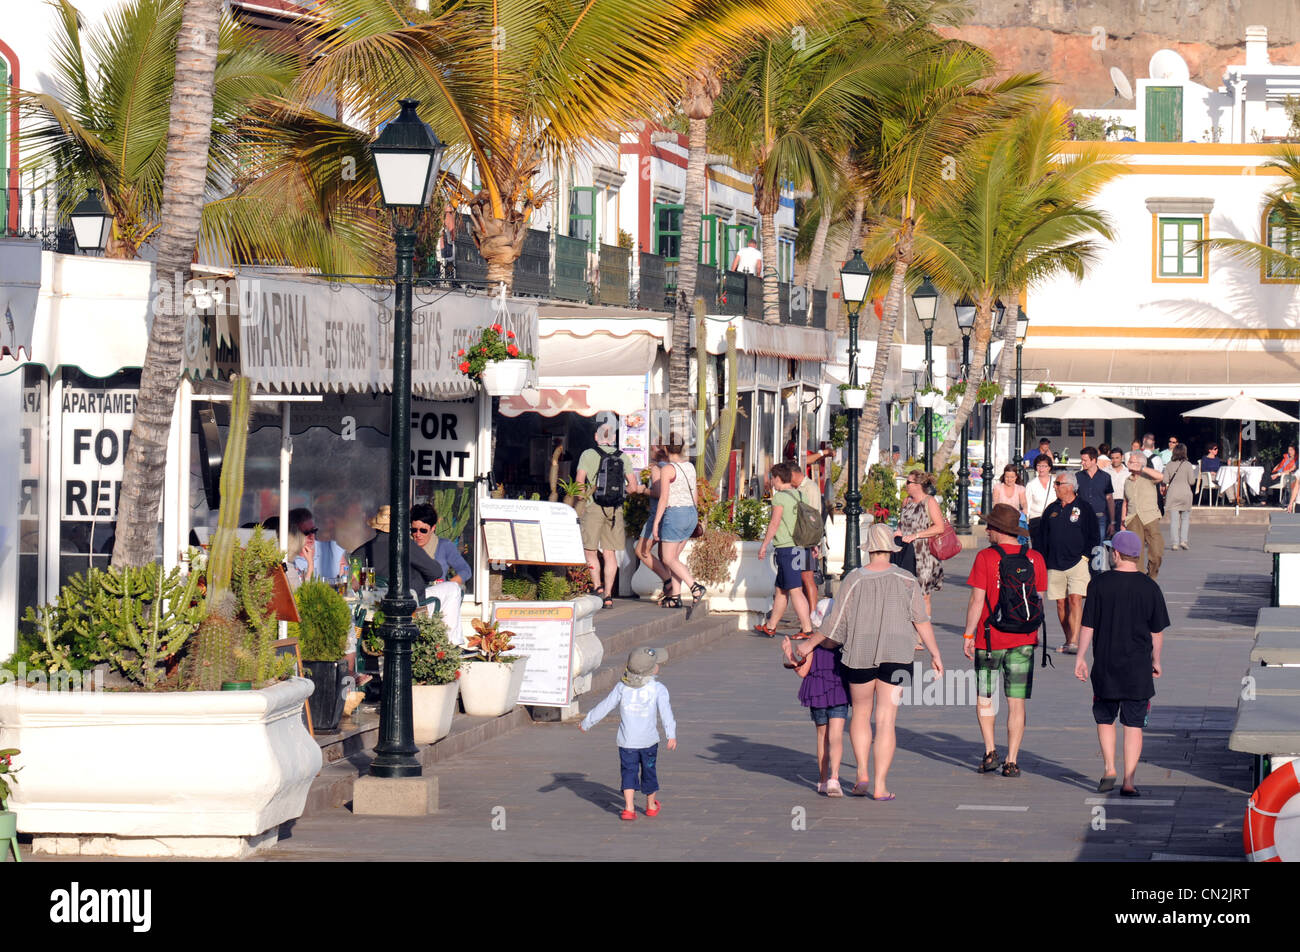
[1205, 482]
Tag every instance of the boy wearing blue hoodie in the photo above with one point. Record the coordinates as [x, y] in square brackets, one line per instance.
[642, 701]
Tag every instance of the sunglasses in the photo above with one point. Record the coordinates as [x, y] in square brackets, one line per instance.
[416, 530]
[308, 532]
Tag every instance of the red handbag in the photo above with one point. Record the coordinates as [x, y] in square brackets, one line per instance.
[945, 545]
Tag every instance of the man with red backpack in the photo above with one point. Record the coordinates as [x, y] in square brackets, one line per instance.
[1003, 617]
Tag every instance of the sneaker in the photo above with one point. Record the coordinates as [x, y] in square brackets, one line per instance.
[821, 789]
[833, 788]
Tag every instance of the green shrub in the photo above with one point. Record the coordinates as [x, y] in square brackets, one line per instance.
[552, 587]
[880, 488]
[518, 587]
[751, 519]
[326, 622]
[434, 659]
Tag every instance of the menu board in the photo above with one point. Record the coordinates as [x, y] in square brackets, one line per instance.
[537, 533]
[634, 437]
[544, 632]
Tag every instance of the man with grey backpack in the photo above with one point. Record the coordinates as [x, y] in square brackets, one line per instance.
[795, 528]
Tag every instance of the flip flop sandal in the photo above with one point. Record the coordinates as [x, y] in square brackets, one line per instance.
[1130, 793]
[861, 789]
[885, 798]
[1106, 784]
[802, 636]
[764, 630]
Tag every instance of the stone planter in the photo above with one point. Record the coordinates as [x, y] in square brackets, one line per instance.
[749, 586]
[491, 688]
[184, 773]
[505, 378]
[432, 708]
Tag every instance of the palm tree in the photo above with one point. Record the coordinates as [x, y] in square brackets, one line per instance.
[1283, 213]
[106, 126]
[1018, 217]
[942, 102]
[185, 168]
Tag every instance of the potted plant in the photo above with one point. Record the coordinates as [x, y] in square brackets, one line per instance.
[491, 679]
[322, 639]
[956, 392]
[928, 396]
[988, 392]
[8, 821]
[853, 398]
[495, 361]
[435, 672]
[1046, 392]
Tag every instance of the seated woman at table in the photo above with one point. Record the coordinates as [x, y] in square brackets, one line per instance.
[1282, 476]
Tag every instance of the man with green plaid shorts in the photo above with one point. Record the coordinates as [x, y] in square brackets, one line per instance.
[1003, 655]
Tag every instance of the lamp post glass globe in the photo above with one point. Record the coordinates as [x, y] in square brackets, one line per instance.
[91, 222]
[407, 156]
[925, 300]
[965, 309]
[855, 276]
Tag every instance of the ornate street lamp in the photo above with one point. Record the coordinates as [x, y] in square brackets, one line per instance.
[965, 309]
[92, 222]
[925, 300]
[407, 155]
[986, 474]
[855, 276]
[1022, 329]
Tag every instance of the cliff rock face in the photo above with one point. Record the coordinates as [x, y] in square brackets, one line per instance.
[1077, 41]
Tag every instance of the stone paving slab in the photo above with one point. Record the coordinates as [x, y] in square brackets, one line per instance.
[740, 784]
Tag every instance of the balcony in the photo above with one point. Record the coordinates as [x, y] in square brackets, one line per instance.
[615, 263]
[570, 269]
[650, 285]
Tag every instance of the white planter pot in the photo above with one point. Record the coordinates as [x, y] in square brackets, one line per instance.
[491, 688]
[749, 586]
[926, 400]
[1047, 397]
[853, 399]
[184, 773]
[432, 707]
[505, 378]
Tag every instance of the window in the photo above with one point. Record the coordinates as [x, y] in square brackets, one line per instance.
[785, 261]
[582, 214]
[1282, 236]
[1177, 253]
[735, 237]
[668, 232]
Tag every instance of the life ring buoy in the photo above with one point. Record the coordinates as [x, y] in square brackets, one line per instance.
[1262, 811]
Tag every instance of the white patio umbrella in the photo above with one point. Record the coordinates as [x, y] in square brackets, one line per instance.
[1240, 408]
[1084, 407]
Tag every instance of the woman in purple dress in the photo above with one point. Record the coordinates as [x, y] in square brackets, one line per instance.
[825, 693]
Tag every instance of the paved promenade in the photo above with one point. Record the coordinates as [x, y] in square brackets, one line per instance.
[740, 784]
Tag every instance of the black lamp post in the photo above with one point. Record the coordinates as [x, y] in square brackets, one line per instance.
[1022, 328]
[986, 474]
[407, 155]
[92, 222]
[926, 301]
[854, 278]
[965, 309]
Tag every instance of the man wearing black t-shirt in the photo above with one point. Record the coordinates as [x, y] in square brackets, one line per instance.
[1126, 613]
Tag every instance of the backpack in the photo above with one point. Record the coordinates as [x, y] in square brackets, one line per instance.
[611, 483]
[808, 530]
[1019, 609]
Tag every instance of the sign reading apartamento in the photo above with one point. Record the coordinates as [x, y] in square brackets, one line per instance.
[287, 333]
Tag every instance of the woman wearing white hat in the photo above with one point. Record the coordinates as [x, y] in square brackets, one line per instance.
[877, 616]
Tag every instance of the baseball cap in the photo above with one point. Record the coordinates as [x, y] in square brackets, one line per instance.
[1126, 543]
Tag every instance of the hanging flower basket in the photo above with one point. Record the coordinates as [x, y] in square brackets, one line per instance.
[505, 378]
[1046, 392]
[928, 397]
[988, 392]
[1047, 397]
[495, 361]
[853, 398]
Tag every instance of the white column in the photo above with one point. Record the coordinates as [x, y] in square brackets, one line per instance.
[11, 395]
[176, 496]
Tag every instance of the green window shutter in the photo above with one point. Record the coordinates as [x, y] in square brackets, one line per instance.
[709, 240]
[582, 214]
[668, 231]
[1164, 114]
[1177, 250]
[1280, 238]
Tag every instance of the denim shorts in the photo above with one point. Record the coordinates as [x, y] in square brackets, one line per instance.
[822, 715]
[634, 761]
[791, 561]
[678, 523]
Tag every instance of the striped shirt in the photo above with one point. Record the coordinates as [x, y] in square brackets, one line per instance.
[875, 616]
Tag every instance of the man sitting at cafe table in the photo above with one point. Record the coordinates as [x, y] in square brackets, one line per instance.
[424, 571]
[451, 592]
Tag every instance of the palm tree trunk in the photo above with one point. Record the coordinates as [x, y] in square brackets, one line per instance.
[499, 242]
[679, 374]
[771, 271]
[870, 424]
[189, 133]
[818, 251]
[983, 331]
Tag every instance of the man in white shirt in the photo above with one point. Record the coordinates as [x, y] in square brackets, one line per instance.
[749, 260]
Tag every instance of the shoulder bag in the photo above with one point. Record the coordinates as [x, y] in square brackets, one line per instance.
[946, 544]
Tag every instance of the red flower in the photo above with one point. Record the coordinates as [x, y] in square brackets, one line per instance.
[457, 675]
[464, 366]
[440, 655]
[461, 352]
[497, 328]
[510, 334]
[512, 350]
[482, 350]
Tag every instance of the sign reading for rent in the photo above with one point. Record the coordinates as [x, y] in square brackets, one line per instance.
[96, 433]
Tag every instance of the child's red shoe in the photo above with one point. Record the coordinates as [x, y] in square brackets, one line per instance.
[627, 815]
[655, 812]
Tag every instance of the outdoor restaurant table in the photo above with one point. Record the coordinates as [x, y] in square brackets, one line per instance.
[1252, 476]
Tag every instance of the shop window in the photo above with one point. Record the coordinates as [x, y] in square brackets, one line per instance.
[668, 232]
[582, 214]
[1178, 256]
[1282, 236]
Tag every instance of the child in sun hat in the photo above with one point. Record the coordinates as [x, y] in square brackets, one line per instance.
[641, 700]
[826, 695]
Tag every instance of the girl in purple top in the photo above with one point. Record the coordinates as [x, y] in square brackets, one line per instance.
[825, 693]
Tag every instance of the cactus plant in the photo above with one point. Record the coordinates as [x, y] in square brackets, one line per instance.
[221, 556]
[730, 410]
[454, 506]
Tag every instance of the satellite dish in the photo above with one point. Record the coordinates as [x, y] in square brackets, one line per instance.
[1169, 66]
[1122, 86]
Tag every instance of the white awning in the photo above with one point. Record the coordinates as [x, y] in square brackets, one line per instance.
[562, 354]
[768, 340]
[1166, 374]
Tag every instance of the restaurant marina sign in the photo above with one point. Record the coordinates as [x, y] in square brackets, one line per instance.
[291, 333]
